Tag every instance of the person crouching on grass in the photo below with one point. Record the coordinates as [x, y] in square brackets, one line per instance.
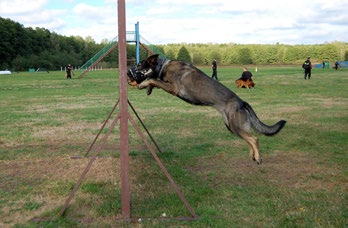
[245, 81]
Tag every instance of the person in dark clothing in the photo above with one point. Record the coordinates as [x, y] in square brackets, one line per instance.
[307, 66]
[245, 81]
[68, 71]
[336, 65]
[246, 75]
[214, 68]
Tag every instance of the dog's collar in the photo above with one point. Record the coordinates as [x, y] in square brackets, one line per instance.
[161, 63]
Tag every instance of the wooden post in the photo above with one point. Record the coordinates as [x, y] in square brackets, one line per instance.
[124, 115]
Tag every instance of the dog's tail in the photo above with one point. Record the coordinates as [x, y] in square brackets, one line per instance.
[260, 127]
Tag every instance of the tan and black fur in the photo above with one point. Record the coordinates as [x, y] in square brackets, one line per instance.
[193, 86]
[245, 84]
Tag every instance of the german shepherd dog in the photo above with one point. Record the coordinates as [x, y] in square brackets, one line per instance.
[245, 84]
[193, 86]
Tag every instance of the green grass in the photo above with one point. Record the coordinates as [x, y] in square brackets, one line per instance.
[302, 181]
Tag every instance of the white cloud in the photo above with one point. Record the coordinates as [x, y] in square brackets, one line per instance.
[32, 15]
[20, 7]
[195, 21]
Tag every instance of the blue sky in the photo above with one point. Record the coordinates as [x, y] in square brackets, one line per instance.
[190, 21]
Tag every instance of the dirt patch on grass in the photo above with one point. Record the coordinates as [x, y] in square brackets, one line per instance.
[328, 102]
[45, 183]
[65, 133]
[292, 109]
[37, 179]
[38, 170]
[290, 170]
[285, 170]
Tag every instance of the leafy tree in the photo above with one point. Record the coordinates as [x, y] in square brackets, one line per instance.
[170, 54]
[332, 52]
[22, 48]
[214, 54]
[244, 56]
[281, 54]
[184, 55]
[198, 58]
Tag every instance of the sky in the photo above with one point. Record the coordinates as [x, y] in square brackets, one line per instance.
[190, 21]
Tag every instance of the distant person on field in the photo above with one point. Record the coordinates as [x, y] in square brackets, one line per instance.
[307, 66]
[214, 68]
[245, 81]
[336, 65]
[323, 65]
[68, 72]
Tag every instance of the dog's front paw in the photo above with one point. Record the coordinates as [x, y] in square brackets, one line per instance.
[143, 85]
[139, 86]
[149, 90]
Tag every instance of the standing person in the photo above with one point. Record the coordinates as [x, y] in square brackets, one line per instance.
[307, 66]
[68, 72]
[336, 65]
[214, 68]
[323, 64]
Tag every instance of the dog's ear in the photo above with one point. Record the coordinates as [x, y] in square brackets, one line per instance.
[152, 60]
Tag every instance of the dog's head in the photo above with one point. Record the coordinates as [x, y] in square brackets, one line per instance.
[144, 70]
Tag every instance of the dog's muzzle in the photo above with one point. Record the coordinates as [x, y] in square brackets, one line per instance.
[138, 75]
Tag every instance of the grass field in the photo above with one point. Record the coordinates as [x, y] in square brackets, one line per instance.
[302, 182]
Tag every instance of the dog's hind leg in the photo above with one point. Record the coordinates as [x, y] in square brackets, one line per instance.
[253, 143]
[237, 122]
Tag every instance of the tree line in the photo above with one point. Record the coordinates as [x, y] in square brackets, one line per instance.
[22, 48]
[229, 54]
